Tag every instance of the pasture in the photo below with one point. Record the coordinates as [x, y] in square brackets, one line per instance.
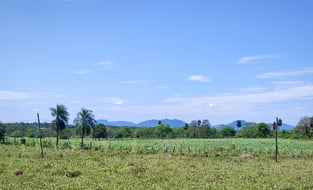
[158, 164]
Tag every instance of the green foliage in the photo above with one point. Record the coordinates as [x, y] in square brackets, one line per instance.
[16, 130]
[162, 131]
[228, 131]
[32, 132]
[122, 132]
[196, 129]
[2, 132]
[61, 119]
[99, 131]
[84, 121]
[213, 133]
[248, 132]
[263, 130]
[178, 132]
[144, 132]
[204, 131]
[263, 146]
[110, 131]
[305, 126]
[67, 133]
[249, 165]
[23, 141]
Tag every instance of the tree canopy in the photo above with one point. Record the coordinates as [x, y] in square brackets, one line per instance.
[84, 122]
[61, 119]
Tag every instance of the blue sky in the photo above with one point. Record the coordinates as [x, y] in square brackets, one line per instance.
[136, 60]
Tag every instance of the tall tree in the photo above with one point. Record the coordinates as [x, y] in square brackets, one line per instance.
[228, 131]
[163, 131]
[305, 126]
[194, 125]
[84, 121]
[61, 119]
[99, 131]
[2, 132]
[205, 128]
[263, 130]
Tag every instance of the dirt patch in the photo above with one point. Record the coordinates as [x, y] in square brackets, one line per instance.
[167, 155]
[18, 172]
[246, 155]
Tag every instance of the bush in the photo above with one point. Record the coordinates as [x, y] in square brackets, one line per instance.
[2, 132]
[23, 141]
[67, 133]
[228, 131]
[248, 132]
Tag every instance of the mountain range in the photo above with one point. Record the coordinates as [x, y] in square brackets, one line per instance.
[175, 123]
[148, 123]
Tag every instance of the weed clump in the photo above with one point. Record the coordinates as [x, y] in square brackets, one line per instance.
[73, 174]
[18, 172]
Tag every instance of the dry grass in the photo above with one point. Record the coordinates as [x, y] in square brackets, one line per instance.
[89, 169]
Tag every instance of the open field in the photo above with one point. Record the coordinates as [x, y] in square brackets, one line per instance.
[132, 164]
[260, 146]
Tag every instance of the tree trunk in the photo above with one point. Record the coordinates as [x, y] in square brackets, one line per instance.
[82, 143]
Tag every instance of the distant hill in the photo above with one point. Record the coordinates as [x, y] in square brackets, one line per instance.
[286, 127]
[233, 124]
[148, 123]
[174, 123]
[117, 123]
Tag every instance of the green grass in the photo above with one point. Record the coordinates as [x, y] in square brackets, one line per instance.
[131, 164]
[262, 146]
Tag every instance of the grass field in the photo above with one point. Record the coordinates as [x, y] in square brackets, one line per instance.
[261, 146]
[134, 164]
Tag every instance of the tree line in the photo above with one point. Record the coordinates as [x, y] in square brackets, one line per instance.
[85, 126]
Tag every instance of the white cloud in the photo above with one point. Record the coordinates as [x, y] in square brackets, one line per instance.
[274, 95]
[286, 74]
[212, 105]
[13, 95]
[287, 83]
[290, 103]
[81, 72]
[112, 100]
[249, 59]
[133, 82]
[251, 105]
[199, 78]
[105, 64]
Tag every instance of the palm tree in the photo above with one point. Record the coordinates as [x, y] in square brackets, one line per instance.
[61, 119]
[84, 121]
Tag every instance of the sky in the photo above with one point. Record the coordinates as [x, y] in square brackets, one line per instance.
[136, 60]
